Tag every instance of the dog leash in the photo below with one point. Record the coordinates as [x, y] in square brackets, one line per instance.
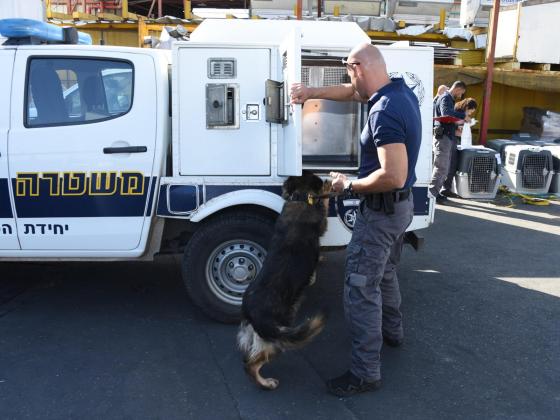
[312, 198]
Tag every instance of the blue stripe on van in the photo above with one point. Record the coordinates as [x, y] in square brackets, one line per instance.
[421, 202]
[184, 198]
[5, 203]
[45, 205]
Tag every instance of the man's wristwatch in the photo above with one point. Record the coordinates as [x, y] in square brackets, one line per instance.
[349, 189]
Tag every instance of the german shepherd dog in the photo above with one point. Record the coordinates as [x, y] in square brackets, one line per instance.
[271, 301]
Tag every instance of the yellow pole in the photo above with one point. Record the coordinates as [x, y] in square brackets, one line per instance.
[188, 9]
[124, 8]
[441, 19]
[142, 31]
[336, 10]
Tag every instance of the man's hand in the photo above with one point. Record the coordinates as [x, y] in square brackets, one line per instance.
[299, 93]
[339, 181]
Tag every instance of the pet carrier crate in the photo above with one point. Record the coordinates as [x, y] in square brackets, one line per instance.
[499, 145]
[554, 149]
[527, 169]
[478, 173]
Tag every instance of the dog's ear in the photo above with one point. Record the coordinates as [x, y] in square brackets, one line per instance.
[289, 187]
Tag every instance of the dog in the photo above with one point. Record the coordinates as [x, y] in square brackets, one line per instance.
[271, 301]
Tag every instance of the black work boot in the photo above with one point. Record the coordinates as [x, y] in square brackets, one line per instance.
[349, 384]
[440, 199]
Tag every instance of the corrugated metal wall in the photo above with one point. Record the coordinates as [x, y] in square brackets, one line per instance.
[31, 9]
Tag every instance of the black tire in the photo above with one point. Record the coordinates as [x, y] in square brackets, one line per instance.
[222, 257]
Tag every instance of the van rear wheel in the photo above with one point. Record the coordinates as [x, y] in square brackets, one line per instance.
[222, 257]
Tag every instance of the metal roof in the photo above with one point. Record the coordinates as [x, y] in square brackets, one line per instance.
[315, 34]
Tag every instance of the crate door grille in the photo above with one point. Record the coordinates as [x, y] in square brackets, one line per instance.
[533, 171]
[482, 174]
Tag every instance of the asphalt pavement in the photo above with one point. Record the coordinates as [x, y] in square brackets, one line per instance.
[481, 303]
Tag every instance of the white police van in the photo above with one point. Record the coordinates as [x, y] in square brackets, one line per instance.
[113, 153]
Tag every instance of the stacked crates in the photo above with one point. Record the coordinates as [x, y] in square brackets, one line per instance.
[478, 173]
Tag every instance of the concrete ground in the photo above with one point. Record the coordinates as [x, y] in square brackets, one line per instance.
[122, 341]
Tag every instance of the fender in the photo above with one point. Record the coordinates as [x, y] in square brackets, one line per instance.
[235, 198]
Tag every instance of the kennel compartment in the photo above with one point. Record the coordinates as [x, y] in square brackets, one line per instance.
[331, 129]
[478, 173]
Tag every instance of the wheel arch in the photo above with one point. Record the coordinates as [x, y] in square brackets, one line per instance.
[250, 199]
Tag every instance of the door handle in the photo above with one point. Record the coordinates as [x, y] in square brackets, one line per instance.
[125, 149]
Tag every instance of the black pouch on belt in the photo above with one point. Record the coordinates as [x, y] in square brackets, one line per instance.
[388, 203]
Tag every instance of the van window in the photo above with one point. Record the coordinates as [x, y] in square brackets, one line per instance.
[64, 91]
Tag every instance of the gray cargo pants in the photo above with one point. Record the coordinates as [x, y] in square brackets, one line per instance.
[442, 159]
[371, 290]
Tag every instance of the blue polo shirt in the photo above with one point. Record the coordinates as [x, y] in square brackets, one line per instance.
[394, 117]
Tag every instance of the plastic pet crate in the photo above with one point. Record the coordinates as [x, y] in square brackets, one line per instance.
[478, 173]
[527, 169]
[554, 149]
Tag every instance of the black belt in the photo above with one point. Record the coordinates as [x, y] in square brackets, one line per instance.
[385, 201]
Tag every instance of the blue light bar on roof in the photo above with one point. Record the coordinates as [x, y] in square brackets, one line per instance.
[35, 29]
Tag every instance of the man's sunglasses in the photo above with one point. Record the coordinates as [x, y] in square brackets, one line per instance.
[348, 64]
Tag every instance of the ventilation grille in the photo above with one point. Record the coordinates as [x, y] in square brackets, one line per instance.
[305, 75]
[331, 76]
[334, 76]
[483, 174]
[221, 68]
[534, 171]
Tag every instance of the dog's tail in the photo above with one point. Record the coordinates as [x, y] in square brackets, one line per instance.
[300, 335]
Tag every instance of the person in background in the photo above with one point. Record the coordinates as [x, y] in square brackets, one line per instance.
[468, 106]
[390, 143]
[444, 137]
[440, 91]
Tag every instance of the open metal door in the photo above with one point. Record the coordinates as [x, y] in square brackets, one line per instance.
[290, 138]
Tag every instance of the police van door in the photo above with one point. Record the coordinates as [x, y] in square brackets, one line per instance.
[8, 232]
[81, 150]
[290, 136]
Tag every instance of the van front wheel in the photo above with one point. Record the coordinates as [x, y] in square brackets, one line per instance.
[222, 257]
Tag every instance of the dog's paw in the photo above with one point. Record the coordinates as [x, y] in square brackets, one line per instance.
[270, 384]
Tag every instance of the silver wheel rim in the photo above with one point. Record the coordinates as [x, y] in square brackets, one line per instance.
[231, 267]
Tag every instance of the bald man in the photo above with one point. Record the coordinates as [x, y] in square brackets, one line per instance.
[389, 143]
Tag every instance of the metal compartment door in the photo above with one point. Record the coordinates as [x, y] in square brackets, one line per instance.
[290, 138]
[219, 111]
